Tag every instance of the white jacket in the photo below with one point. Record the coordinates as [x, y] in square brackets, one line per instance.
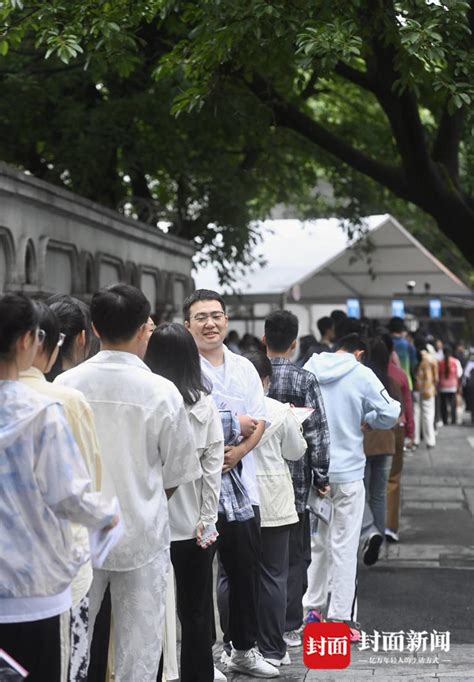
[197, 501]
[43, 486]
[282, 440]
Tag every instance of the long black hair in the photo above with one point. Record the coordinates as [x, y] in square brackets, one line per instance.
[448, 353]
[48, 321]
[378, 361]
[172, 353]
[18, 316]
[74, 317]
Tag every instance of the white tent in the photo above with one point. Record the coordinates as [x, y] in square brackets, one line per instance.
[314, 261]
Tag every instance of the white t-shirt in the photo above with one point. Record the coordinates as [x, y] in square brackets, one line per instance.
[236, 386]
[147, 446]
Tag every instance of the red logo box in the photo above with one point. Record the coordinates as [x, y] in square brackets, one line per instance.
[326, 646]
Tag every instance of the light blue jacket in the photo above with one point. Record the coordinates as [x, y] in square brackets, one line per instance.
[352, 395]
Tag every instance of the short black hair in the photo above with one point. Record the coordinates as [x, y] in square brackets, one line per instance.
[49, 322]
[261, 363]
[118, 311]
[396, 325]
[172, 353]
[201, 295]
[351, 343]
[325, 324]
[18, 316]
[281, 329]
[338, 315]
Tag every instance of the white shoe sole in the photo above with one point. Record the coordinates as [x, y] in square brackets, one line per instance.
[236, 668]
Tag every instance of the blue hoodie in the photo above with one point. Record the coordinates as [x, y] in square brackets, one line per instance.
[352, 395]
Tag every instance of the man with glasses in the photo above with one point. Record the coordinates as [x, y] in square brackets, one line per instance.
[236, 389]
[148, 449]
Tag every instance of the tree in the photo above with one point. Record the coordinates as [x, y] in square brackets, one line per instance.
[380, 88]
[206, 114]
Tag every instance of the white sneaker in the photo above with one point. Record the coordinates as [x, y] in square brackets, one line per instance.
[219, 676]
[391, 535]
[252, 663]
[292, 638]
[277, 662]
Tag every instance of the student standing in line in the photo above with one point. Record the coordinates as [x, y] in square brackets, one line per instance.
[405, 428]
[147, 448]
[173, 354]
[43, 487]
[379, 448]
[355, 401]
[236, 387]
[81, 421]
[282, 442]
[294, 385]
[449, 376]
[75, 323]
[424, 396]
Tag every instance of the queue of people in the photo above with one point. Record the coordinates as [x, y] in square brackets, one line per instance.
[200, 447]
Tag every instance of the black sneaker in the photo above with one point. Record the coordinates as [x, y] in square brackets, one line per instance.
[370, 554]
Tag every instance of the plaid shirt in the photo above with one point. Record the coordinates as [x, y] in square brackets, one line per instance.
[234, 499]
[291, 384]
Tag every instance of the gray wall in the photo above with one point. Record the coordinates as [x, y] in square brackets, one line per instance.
[52, 241]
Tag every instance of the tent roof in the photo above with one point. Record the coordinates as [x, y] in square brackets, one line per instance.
[316, 259]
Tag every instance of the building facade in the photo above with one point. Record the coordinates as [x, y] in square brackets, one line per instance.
[53, 241]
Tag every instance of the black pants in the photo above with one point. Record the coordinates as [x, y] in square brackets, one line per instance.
[448, 407]
[273, 591]
[99, 651]
[299, 559]
[193, 570]
[238, 583]
[36, 646]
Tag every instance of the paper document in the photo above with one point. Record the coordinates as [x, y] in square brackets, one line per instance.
[102, 541]
[302, 413]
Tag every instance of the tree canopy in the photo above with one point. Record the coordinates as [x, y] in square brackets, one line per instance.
[205, 114]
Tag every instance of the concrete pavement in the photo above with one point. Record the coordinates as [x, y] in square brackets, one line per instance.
[426, 582]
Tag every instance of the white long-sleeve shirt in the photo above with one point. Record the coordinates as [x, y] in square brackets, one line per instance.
[197, 501]
[43, 487]
[147, 446]
[281, 442]
[236, 386]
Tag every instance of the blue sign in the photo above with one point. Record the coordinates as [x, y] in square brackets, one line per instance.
[353, 308]
[435, 308]
[398, 308]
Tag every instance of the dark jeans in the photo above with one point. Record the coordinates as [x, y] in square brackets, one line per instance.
[448, 405]
[299, 560]
[273, 589]
[193, 570]
[238, 547]
[36, 646]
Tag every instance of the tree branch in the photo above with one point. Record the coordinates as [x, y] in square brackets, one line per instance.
[287, 115]
[354, 76]
[448, 139]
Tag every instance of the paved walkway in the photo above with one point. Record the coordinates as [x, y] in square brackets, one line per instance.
[427, 581]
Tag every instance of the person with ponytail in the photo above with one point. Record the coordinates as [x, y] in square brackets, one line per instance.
[81, 421]
[75, 323]
[450, 373]
[44, 487]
